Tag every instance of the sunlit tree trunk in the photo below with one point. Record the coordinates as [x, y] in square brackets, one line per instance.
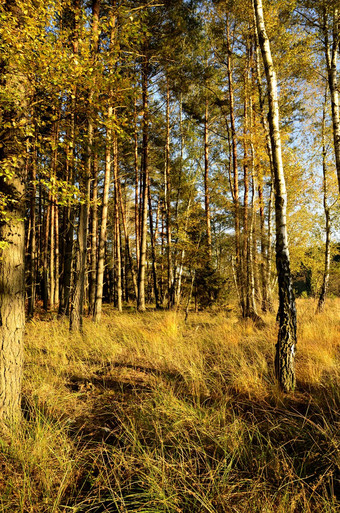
[325, 280]
[92, 161]
[127, 241]
[137, 220]
[153, 252]
[234, 181]
[145, 184]
[12, 292]
[12, 232]
[286, 344]
[331, 51]
[167, 200]
[265, 243]
[94, 229]
[103, 224]
[33, 242]
[117, 246]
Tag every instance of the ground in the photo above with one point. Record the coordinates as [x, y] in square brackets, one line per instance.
[147, 413]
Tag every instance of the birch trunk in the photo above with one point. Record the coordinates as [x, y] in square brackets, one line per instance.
[331, 52]
[286, 344]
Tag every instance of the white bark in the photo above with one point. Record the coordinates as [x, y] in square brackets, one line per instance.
[285, 348]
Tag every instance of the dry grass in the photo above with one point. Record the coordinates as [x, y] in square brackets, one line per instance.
[146, 413]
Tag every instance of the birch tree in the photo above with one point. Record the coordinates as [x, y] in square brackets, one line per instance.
[286, 344]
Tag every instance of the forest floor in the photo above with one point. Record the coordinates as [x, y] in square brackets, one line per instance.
[146, 413]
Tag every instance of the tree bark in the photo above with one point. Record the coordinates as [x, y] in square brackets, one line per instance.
[331, 52]
[206, 181]
[12, 233]
[286, 344]
[117, 248]
[103, 225]
[167, 200]
[33, 245]
[145, 184]
[325, 280]
[127, 242]
[153, 253]
[94, 229]
[235, 187]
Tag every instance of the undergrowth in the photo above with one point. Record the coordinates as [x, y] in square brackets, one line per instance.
[147, 413]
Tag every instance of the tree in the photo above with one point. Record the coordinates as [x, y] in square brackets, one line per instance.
[12, 229]
[286, 344]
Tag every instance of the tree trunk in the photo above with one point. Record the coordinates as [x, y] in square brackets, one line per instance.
[94, 229]
[12, 234]
[235, 188]
[153, 253]
[117, 248]
[325, 280]
[167, 200]
[145, 184]
[12, 294]
[245, 278]
[103, 225]
[137, 206]
[127, 242]
[286, 344]
[331, 52]
[33, 246]
[206, 181]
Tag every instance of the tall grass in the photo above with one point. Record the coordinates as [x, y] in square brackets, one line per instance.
[148, 413]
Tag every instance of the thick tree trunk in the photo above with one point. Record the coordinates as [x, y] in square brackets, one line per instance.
[12, 235]
[12, 294]
[286, 344]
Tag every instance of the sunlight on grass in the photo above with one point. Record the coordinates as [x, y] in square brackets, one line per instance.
[148, 413]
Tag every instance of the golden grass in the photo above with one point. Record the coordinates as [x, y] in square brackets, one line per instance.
[148, 413]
